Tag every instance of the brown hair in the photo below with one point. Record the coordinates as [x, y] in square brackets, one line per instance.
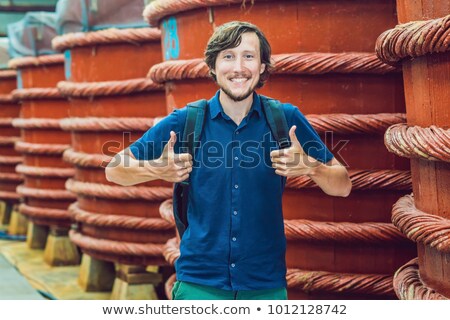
[228, 36]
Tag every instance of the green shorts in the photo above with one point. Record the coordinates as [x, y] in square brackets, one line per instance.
[183, 290]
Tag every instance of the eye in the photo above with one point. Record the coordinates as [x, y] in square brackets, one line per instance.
[228, 56]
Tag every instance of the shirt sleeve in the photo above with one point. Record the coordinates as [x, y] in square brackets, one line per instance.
[308, 137]
[151, 144]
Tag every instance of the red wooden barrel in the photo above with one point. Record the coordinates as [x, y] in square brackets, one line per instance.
[324, 63]
[9, 158]
[42, 145]
[425, 139]
[111, 105]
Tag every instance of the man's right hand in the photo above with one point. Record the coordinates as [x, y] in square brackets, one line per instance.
[170, 166]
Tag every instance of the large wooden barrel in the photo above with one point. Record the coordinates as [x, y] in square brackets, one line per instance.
[9, 158]
[326, 65]
[425, 139]
[43, 143]
[112, 105]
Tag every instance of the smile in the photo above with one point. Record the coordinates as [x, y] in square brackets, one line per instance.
[238, 80]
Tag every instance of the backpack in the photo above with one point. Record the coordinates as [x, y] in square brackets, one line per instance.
[195, 119]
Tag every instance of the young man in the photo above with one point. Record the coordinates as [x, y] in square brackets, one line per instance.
[234, 246]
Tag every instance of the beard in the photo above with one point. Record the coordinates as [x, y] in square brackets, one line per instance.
[237, 98]
[241, 97]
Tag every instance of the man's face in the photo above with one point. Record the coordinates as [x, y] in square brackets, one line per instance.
[238, 69]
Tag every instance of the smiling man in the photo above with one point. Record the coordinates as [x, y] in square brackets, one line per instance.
[234, 244]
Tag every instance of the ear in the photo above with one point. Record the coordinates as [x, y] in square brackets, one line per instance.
[262, 68]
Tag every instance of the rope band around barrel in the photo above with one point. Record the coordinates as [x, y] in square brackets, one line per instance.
[40, 148]
[341, 283]
[44, 213]
[414, 39]
[7, 98]
[55, 194]
[106, 124]
[158, 9]
[135, 36]
[364, 180]
[171, 250]
[26, 62]
[8, 141]
[36, 94]
[341, 123]
[107, 88]
[342, 232]
[118, 220]
[166, 211]
[45, 171]
[9, 176]
[309, 63]
[432, 143]
[9, 195]
[86, 160]
[115, 247]
[409, 286]
[8, 74]
[10, 159]
[36, 123]
[418, 226]
[6, 122]
[118, 192]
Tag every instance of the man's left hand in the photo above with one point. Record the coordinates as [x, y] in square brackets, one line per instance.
[293, 161]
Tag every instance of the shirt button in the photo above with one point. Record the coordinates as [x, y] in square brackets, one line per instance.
[236, 186]
[235, 212]
[237, 132]
[236, 158]
[234, 239]
[233, 265]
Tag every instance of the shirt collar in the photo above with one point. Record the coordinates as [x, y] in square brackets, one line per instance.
[215, 108]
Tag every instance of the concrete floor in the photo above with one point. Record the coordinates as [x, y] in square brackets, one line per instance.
[13, 286]
[23, 269]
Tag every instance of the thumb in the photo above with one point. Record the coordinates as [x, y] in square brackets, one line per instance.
[171, 143]
[293, 136]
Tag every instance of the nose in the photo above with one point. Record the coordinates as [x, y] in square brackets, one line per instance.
[238, 65]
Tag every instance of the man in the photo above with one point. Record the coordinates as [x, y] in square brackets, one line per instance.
[234, 246]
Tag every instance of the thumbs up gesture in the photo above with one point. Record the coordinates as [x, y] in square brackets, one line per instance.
[170, 166]
[293, 161]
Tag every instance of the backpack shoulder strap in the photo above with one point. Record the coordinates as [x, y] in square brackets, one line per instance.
[193, 127]
[195, 118]
[276, 119]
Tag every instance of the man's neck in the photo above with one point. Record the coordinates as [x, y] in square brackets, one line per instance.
[236, 110]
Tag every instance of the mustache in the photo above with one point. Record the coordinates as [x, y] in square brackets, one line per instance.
[240, 75]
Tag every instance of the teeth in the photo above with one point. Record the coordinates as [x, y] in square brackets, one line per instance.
[238, 79]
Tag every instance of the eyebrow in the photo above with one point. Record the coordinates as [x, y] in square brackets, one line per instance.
[231, 51]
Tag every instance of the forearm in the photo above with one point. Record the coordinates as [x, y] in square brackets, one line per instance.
[127, 171]
[332, 179]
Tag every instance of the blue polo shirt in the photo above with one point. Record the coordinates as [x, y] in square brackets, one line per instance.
[235, 239]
